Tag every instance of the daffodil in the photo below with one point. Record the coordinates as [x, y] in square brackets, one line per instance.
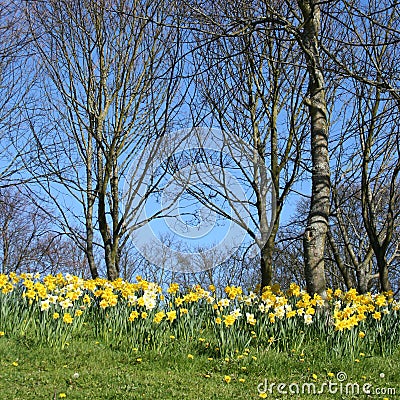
[67, 318]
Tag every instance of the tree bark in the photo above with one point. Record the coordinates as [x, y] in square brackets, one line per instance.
[379, 238]
[267, 252]
[90, 199]
[344, 271]
[317, 222]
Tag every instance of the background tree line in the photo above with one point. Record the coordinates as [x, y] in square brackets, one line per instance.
[89, 88]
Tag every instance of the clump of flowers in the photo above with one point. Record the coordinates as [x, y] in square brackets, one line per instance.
[58, 306]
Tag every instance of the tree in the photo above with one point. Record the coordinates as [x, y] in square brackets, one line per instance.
[27, 241]
[367, 162]
[16, 76]
[299, 24]
[109, 85]
[244, 89]
[317, 222]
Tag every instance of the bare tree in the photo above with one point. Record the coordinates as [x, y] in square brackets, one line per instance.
[317, 223]
[250, 85]
[27, 241]
[366, 152]
[109, 88]
[16, 76]
[298, 24]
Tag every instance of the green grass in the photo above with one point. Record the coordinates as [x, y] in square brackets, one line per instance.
[28, 371]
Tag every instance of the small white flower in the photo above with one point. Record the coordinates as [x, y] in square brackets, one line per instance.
[248, 301]
[52, 299]
[132, 298]
[320, 302]
[268, 304]
[150, 303]
[210, 299]
[280, 312]
[252, 295]
[223, 303]
[236, 313]
[44, 305]
[66, 304]
[288, 308]
[308, 319]
[250, 318]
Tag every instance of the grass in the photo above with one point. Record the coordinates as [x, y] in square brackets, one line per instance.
[89, 369]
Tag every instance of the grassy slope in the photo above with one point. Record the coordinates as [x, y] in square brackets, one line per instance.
[30, 372]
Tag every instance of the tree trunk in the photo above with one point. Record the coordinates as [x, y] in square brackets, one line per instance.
[89, 249]
[383, 271]
[379, 238]
[89, 236]
[317, 223]
[362, 280]
[266, 262]
[345, 272]
[110, 256]
[90, 198]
